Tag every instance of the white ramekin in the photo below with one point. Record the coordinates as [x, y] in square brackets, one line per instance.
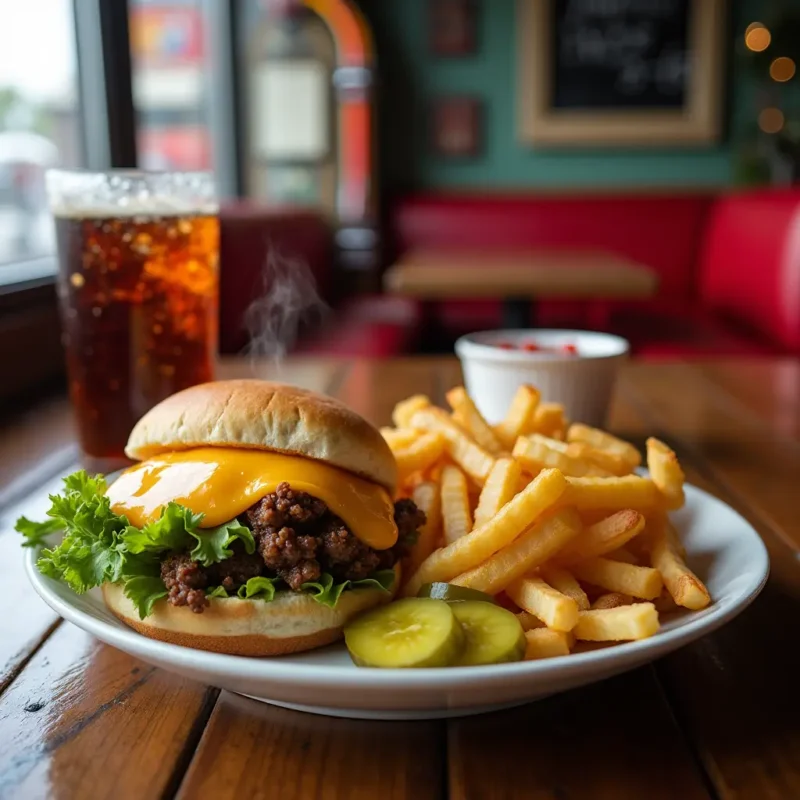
[582, 382]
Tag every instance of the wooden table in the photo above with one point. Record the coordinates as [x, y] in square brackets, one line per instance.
[718, 719]
[519, 277]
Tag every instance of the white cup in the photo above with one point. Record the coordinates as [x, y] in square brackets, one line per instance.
[583, 381]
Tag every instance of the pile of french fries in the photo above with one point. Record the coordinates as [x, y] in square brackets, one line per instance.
[548, 516]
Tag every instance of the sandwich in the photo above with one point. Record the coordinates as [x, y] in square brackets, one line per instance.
[258, 520]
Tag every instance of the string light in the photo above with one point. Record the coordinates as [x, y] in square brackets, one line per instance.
[771, 120]
[757, 37]
[782, 69]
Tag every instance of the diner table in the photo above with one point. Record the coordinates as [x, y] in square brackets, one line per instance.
[519, 277]
[719, 718]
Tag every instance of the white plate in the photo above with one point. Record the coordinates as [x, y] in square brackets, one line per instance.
[722, 548]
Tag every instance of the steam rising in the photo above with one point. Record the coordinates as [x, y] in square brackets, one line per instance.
[288, 300]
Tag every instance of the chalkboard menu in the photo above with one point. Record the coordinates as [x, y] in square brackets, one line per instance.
[620, 72]
[620, 53]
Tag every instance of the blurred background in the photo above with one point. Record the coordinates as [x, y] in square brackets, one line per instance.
[354, 138]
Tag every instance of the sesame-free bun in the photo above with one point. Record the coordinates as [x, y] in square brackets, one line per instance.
[264, 415]
[290, 623]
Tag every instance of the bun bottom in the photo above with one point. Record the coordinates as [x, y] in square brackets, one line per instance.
[291, 623]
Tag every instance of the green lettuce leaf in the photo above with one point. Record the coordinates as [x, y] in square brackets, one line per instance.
[327, 592]
[143, 592]
[213, 544]
[171, 531]
[217, 591]
[260, 587]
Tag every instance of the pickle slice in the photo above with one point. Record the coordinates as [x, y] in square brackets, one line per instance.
[414, 632]
[493, 634]
[451, 593]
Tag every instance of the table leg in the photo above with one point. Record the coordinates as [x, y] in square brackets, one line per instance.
[519, 312]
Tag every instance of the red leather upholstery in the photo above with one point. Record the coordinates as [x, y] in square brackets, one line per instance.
[250, 233]
[663, 231]
[750, 267]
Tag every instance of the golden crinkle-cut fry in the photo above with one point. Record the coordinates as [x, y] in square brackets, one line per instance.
[604, 441]
[614, 576]
[469, 455]
[535, 546]
[405, 409]
[612, 600]
[629, 491]
[612, 463]
[686, 588]
[473, 549]
[624, 623]
[604, 536]
[546, 643]
[554, 608]
[398, 438]
[519, 417]
[528, 621]
[456, 514]
[536, 452]
[501, 485]
[428, 499]
[421, 454]
[468, 416]
[566, 583]
[666, 472]
[549, 420]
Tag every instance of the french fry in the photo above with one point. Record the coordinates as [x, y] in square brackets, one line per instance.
[473, 549]
[604, 536]
[519, 416]
[629, 491]
[428, 499]
[471, 457]
[528, 621]
[555, 609]
[456, 513]
[612, 463]
[546, 643]
[614, 576]
[535, 546]
[666, 472]
[686, 588]
[470, 418]
[420, 455]
[397, 438]
[405, 409]
[537, 452]
[612, 600]
[566, 583]
[625, 623]
[604, 441]
[501, 485]
[549, 420]
[624, 555]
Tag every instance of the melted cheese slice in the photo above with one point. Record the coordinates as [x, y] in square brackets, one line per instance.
[223, 482]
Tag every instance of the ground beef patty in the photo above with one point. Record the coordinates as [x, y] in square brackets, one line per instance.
[297, 539]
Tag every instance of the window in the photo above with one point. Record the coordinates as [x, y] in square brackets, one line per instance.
[168, 52]
[39, 121]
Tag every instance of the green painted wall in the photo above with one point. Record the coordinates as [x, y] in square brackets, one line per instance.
[411, 76]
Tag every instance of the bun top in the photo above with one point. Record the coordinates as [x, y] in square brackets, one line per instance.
[263, 415]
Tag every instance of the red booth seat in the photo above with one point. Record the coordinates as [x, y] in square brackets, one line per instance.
[261, 245]
[728, 267]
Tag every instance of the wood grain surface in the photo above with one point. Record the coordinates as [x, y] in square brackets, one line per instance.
[432, 274]
[718, 718]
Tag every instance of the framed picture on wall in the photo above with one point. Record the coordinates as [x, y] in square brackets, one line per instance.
[456, 123]
[452, 27]
[593, 74]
